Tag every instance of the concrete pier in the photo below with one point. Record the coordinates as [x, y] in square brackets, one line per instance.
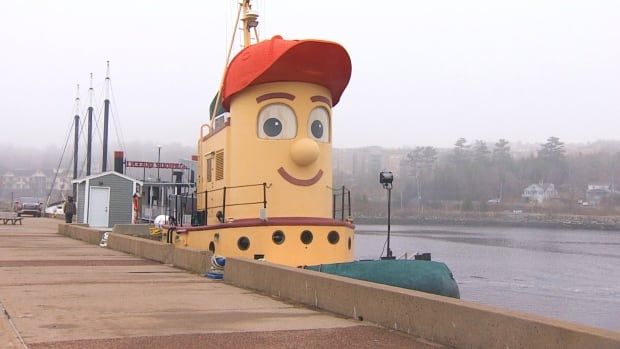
[56, 292]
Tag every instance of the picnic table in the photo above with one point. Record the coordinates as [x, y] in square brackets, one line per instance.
[12, 217]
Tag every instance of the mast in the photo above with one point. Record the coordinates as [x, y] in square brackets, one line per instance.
[89, 143]
[106, 111]
[250, 23]
[76, 137]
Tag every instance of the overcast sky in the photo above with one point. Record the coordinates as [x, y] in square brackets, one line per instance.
[424, 72]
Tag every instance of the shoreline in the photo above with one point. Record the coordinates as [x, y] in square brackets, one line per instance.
[514, 221]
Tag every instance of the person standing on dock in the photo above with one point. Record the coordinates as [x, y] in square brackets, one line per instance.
[135, 208]
[69, 209]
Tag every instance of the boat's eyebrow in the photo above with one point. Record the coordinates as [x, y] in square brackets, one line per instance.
[321, 99]
[267, 96]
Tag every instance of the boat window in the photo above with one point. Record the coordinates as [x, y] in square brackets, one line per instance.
[277, 121]
[306, 237]
[333, 237]
[243, 243]
[278, 237]
[318, 125]
[219, 165]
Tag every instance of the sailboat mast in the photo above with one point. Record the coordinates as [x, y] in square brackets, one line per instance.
[89, 143]
[106, 111]
[76, 137]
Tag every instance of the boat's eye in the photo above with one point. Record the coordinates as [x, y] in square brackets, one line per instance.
[277, 121]
[318, 124]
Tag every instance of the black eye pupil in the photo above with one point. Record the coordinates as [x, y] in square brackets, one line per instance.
[272, 127]
[317, 129]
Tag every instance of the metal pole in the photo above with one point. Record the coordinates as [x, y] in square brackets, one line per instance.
[76, 140]
[206, 203]
[183, 208]
[158, 161]
[224, 206]
[389, 251]
[90, 126]
[106, 111]
[349, 199]
[89, 143]
[264, 195]
[342, 205]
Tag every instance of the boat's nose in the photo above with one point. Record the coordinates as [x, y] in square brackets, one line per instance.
[304, 151]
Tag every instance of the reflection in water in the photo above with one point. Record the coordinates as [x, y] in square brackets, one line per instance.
[572, 275]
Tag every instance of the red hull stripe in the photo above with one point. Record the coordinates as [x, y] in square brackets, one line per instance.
[275, 221]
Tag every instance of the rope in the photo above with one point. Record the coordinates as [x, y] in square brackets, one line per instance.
[230, 47]
[120, 138]
[59, 164]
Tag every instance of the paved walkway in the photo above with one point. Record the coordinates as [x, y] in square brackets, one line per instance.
[63, 293]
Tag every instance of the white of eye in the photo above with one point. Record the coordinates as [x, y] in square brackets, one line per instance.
[318, 124]
[277, 121]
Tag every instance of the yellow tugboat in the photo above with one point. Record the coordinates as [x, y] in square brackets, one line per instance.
[264, 187]
[265, 158]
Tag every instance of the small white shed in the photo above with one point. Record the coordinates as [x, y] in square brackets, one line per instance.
[105, 199]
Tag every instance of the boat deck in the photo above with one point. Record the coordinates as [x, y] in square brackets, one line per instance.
[64, 293]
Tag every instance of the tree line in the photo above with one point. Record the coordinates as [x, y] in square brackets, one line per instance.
[477, 171]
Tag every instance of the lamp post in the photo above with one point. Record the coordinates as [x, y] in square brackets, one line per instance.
[386, 178]
[158, 161]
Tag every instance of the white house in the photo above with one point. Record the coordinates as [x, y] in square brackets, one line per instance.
[597, 193]
[539, 192]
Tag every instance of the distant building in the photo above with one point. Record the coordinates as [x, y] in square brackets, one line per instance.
[38, 184]
[597, 193]
[539, 192]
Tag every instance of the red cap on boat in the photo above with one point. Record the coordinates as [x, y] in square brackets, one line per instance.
[319, 62]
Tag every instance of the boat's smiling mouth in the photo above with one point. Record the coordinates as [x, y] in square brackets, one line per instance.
[300, 182]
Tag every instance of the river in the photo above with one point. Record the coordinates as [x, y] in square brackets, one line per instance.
[572, 275]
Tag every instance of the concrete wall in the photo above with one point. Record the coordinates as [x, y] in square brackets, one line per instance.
[80, 232]
[132, 229]
[447, 321]
[149, 249]
[196, 261]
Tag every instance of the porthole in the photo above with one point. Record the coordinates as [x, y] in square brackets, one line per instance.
[243, 243]
[278, 237]
[306, 237]
[211, 247]
[333, 237]
[349, 243]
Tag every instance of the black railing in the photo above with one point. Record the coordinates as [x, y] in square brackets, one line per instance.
[225, 204]
[179, 205]
[345, 196]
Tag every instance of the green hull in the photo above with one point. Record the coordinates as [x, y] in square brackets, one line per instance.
[426, 276]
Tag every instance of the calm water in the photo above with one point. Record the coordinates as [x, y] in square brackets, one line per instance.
[572, 275]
